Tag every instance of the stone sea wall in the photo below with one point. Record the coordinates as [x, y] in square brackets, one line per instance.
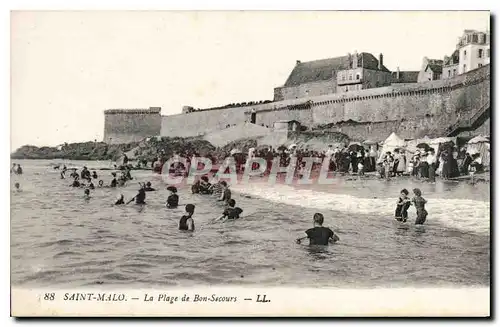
[131, 125]
[411, 110]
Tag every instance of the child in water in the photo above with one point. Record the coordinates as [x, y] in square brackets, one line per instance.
[173, 199]
[319, 235]
[402, 206]
[231, 212]
[419, 203]
[86, 194]
[187, 222]
[18, 187]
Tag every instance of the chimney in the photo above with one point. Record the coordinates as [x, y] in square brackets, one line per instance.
[355, 60]
[380, 61]
[397, 73]
[298, 62]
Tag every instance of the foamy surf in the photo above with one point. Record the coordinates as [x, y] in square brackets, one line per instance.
[462, 214]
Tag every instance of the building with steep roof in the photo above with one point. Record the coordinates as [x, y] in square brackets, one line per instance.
[431, 70]
[404, 77]
[450, 65]
[334, 75]
[474, 50]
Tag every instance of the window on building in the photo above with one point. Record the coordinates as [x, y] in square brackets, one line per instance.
[346, 89]
[479, 65]
[474, 38]
[480, 53]
[350, 77]
[465, 68]
[449, 73]
[465, 54]
[342, 76]
[454, 71]
[357, 76]
[488, 52]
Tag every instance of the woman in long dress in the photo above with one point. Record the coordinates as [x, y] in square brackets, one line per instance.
[401, 164]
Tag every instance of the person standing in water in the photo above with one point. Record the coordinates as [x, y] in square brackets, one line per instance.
[402, 206]
[319, 235]
[187, 222]
[18, 187]
[19, 170]
[419, 203]
[114, 182]
[140, 198]
[86, 194]
[173, 198]
[13, 169]
[226, 192]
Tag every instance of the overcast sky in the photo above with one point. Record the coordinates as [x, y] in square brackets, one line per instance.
[68, 67]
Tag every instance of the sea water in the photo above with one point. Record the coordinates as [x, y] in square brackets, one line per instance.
[59, 239]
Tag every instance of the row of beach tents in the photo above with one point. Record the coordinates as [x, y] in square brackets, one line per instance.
[477, 145]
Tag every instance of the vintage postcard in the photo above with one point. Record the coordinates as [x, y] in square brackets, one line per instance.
[250, 163]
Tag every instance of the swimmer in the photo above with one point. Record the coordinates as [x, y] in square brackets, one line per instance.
[75, 183]
[18, 187]
[204, 185]
[402, 206]
[226, 192]
[419, 203]
[113, 182]
[173, 198]
[140, 197]
[74, 174]
[216, 188]
[19, 170]
[120, 200]
[94, 175]
[231, 212]
[195, 188]
[85, 174]
[86, 194]
[64, 169]
[62, 175]
[148, 187]
[187, 222]
[319, 235]
[91, 185]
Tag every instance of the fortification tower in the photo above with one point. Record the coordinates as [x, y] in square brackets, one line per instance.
[131, 125]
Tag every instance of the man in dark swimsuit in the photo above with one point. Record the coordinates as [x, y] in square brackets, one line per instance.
[187, 222]
[140, 197]
[319, 235]
[76, 183]
[231, 212]
[173, 199]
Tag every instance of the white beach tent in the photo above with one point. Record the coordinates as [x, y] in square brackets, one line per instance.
[481, 145]
[390, 144]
